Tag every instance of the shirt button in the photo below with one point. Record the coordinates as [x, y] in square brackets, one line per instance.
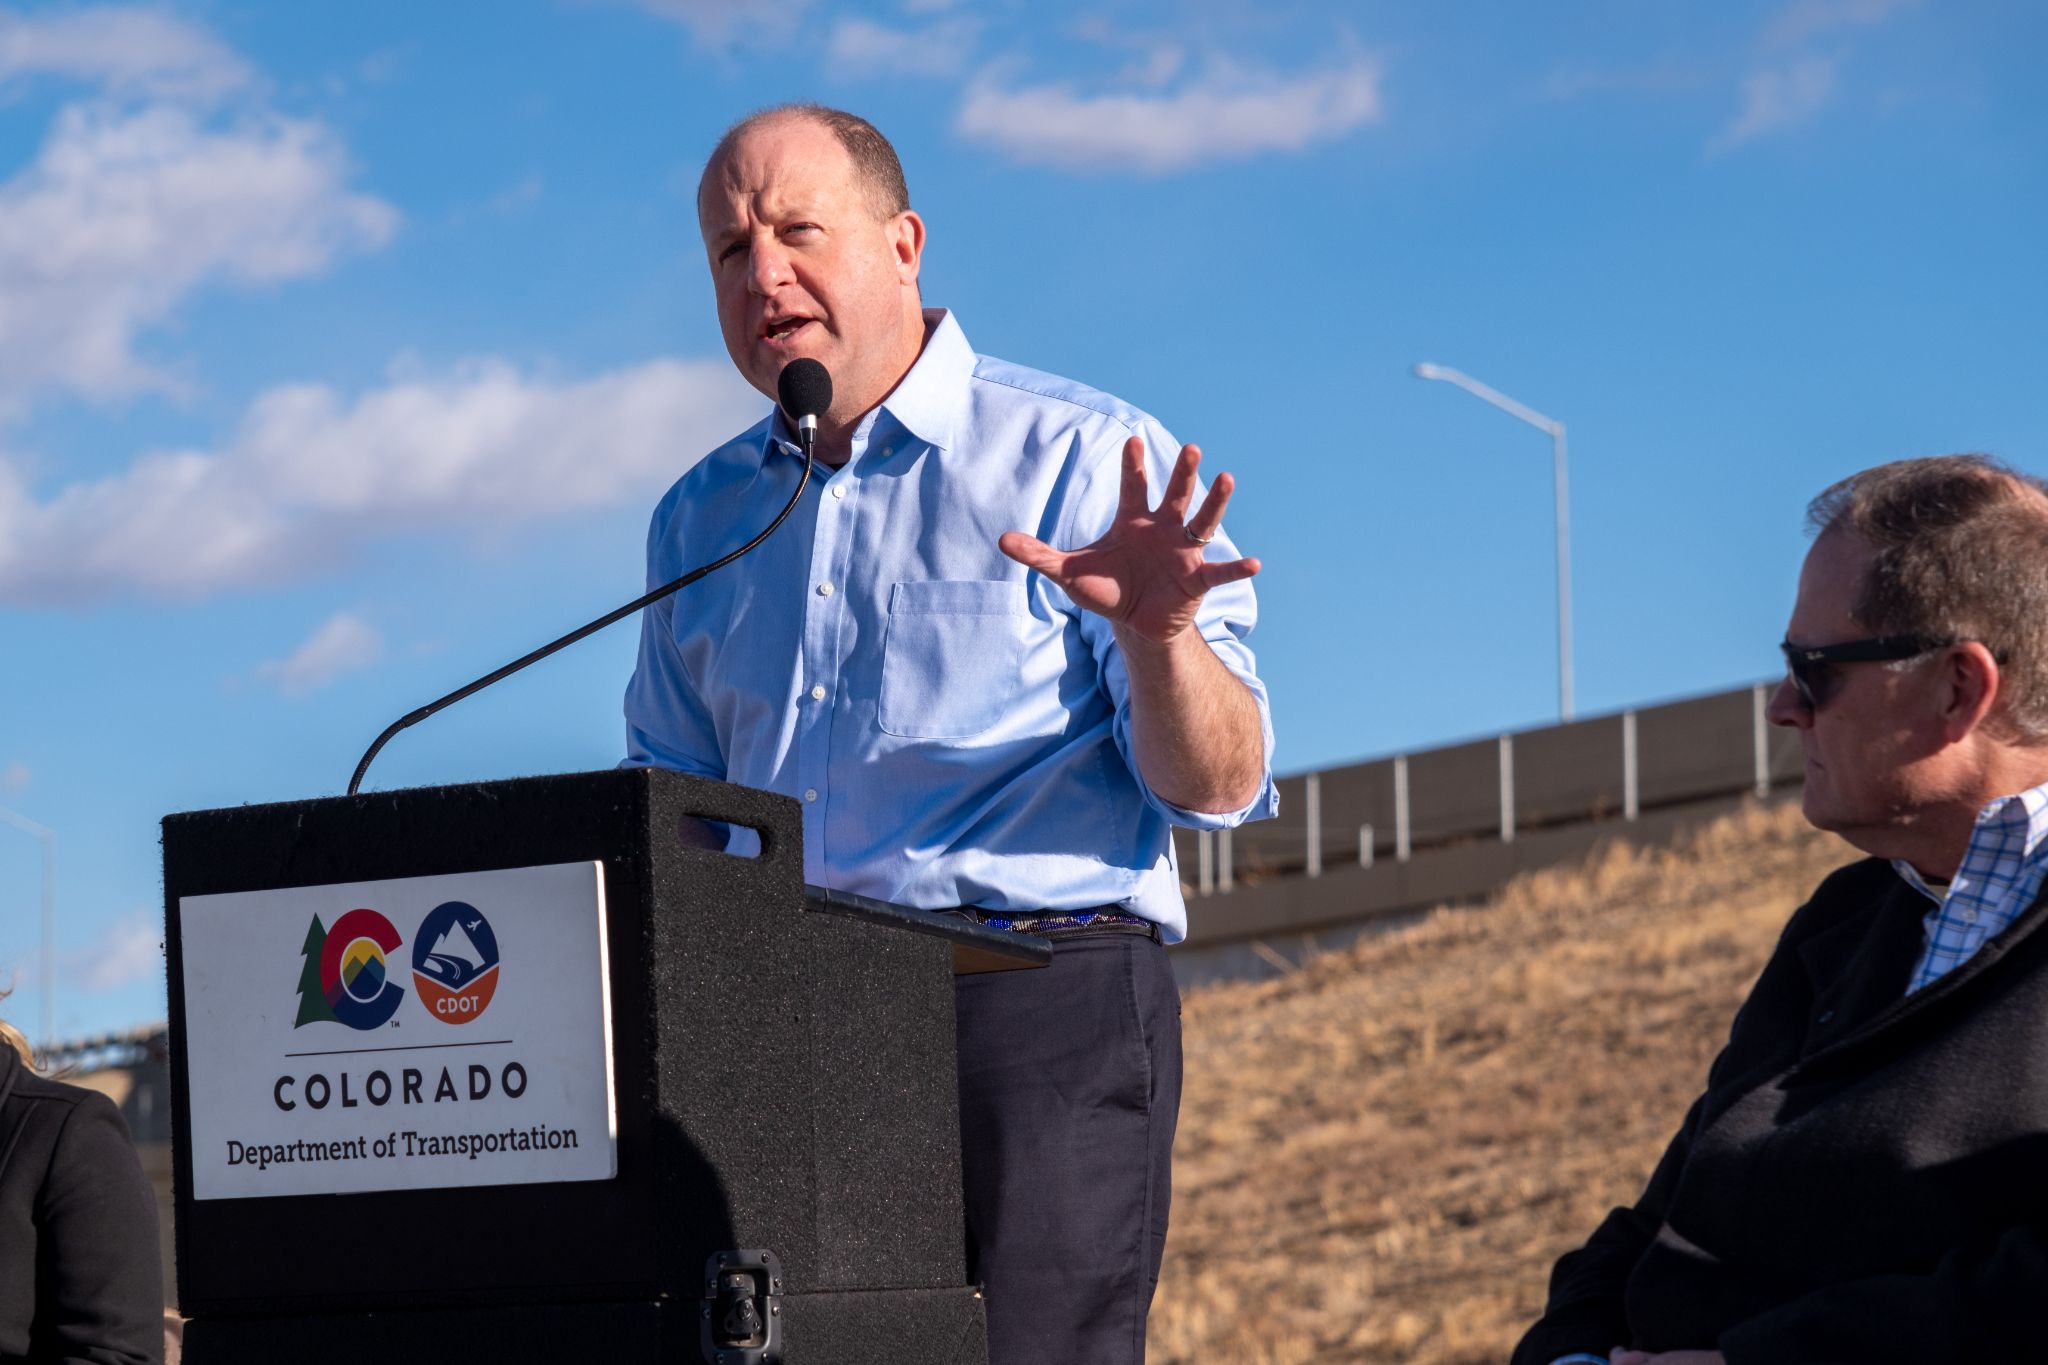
[825, 590]
[838, 490]
[1967, 915]
[817, 691]
[810, 793]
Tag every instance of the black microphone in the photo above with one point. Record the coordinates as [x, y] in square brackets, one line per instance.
[804, 389]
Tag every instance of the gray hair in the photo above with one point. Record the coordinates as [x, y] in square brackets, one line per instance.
[1959, 550]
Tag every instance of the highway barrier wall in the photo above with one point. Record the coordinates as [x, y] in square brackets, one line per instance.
[1356, 844]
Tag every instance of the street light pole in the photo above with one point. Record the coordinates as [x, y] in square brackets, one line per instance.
[49, 991]
[1555, 430]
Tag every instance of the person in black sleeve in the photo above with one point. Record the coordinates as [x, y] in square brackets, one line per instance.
[80, 1282]
[1861, 1180]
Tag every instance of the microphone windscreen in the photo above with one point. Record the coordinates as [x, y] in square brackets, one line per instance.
[804, 389]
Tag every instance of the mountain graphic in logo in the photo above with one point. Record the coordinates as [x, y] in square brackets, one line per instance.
[455, 962]
[346, 977]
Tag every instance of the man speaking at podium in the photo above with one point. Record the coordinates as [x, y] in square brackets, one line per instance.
[993, 671]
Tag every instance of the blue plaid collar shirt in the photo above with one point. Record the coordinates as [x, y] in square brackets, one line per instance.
[2001, 873]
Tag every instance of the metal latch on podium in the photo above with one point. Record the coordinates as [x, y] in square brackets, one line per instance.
[742, 1309]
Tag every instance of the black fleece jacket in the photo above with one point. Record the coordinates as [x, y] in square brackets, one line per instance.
[1866, 1177]
[80, 1281]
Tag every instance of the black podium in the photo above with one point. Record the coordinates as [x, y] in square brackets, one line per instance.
[787, 1181]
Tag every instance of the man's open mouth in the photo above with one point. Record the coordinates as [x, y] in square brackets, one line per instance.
[783, 328]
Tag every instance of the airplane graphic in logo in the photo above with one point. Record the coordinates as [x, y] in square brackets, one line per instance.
[455, 962]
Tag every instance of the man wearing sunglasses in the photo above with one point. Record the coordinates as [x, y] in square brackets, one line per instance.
[1862, 1179]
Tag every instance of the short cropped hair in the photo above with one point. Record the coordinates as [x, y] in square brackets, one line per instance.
[1960, 551]
[874, 159]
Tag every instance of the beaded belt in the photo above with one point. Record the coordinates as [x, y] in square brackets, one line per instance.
[1058, 924]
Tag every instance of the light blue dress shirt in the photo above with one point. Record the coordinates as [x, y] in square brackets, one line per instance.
[958, 730]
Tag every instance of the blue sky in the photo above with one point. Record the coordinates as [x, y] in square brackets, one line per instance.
[345, 347]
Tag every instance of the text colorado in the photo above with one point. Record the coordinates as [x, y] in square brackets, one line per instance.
[378, 1088]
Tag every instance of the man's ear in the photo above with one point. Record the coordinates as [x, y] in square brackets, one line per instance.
[906, 236]
[1970, 682]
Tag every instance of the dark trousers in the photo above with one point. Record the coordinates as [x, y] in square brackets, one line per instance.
[1069, 1091]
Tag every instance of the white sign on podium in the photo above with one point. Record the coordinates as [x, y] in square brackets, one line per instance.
[416, 1033]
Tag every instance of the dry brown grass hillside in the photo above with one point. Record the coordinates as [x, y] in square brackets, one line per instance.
[1381, 1154]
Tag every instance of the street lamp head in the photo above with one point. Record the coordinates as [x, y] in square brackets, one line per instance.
[1555, 430]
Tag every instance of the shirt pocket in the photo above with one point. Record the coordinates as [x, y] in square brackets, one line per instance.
[953, 657]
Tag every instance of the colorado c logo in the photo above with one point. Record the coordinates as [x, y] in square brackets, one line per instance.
[455, 962]
[355, 972]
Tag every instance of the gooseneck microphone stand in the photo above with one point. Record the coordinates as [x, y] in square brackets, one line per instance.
[804, 389]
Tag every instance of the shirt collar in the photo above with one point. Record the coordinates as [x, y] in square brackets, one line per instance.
[930, 397]
[1910, 875]
[2022, 811]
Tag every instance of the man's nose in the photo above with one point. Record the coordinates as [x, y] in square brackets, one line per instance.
[767, 267]
[1786, 708]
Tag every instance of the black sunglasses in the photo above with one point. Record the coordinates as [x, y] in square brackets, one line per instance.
[1811, 666]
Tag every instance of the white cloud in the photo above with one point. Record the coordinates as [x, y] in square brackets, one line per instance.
[519, 197]
[719, 23]
[1807, 19]
[149, 189]
[858, 47]
[15, 777]
[1777, 98]
[343, 643]
[1155, 66]
[128, 51]
[125, 212]
[309, 476]
[128, 950]
[1226, 115]
[1787, 90]
[1153, 62]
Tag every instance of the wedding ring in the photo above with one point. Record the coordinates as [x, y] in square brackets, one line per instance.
[1189, 532]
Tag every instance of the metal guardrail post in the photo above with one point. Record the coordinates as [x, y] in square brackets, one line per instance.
[1401, 808]
[1631, 772]
[1723, 778]
[1312, 811]
[1507, 789]
[1761, 727]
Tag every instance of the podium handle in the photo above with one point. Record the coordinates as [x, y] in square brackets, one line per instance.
[781, 852]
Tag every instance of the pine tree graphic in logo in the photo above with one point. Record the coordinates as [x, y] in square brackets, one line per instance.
[313, 1006]
[348, 982]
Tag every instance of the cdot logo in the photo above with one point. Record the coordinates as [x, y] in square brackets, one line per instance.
[347, 976]
[455, 962]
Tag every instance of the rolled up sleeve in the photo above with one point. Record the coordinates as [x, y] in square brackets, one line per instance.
[1225, 617]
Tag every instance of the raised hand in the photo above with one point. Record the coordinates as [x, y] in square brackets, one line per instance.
[1147, 573]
